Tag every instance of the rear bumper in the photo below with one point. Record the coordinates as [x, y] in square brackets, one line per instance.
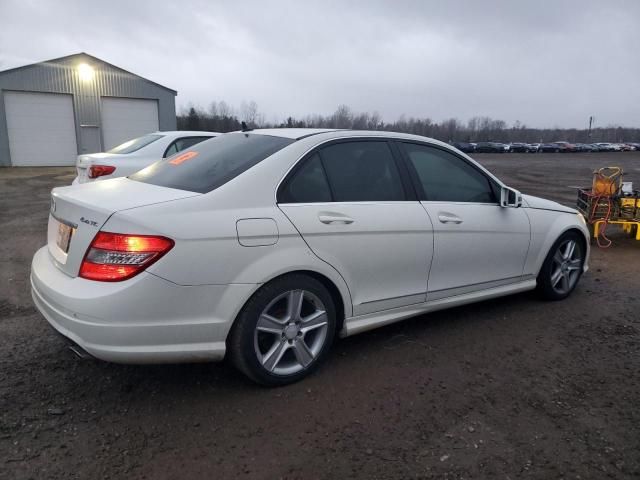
[142, 320]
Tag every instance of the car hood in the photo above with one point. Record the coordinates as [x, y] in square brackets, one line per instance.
[544, 204]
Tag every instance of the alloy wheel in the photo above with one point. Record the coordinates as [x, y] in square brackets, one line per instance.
[566, 265]
[290, 332]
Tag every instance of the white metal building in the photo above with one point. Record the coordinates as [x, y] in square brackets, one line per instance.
[52, 111]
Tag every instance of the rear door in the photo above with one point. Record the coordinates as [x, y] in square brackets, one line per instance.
[478, 243]
[353, 204]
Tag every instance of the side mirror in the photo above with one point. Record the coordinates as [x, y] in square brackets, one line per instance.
[510, 198]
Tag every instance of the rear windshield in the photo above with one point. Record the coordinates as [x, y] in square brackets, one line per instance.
[208, 165]
[136, 144]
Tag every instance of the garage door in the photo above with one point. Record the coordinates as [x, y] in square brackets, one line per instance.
[41, 128]
[127, 118]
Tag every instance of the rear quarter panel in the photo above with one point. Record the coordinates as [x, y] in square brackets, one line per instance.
[207, 250]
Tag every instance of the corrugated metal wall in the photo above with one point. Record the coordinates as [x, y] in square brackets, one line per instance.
[61, 76]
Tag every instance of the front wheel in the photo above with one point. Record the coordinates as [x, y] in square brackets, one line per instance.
[562, 268]
[284, 331]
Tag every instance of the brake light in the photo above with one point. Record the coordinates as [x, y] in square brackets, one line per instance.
[96, 171]
[113, 257]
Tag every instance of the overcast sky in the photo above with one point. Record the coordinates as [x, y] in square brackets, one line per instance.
[543, 63]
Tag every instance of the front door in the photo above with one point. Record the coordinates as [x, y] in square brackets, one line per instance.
[477, 243]
[352, 208]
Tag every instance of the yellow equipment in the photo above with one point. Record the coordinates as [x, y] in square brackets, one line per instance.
[606, 203]
[606, 181]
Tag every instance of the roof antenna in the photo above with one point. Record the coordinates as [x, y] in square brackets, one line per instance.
[245, 128]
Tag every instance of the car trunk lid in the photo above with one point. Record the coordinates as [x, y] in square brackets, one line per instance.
[78, 213]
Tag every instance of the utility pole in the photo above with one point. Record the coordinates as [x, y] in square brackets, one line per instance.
[590, 123]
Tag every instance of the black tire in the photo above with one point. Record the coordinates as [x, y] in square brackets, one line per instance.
[242, 343]
[545, 286]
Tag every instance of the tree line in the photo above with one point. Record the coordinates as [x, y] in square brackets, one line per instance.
[221, 117]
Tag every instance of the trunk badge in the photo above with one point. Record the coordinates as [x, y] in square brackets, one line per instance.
[88, 222]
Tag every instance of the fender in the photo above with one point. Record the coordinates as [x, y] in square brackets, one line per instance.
[546, 227]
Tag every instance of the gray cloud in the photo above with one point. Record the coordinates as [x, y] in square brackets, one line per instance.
[544, 63]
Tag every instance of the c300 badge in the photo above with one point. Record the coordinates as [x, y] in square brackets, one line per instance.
[88, 222]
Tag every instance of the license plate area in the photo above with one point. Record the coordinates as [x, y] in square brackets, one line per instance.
[64, 233]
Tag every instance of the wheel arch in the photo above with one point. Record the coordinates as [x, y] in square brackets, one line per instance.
[552, 237]
[340, 296]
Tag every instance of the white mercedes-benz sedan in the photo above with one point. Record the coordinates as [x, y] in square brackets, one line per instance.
[265, 245]
[135, 154]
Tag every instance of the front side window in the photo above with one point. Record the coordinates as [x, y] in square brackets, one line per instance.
[444, 177]
[209, 165]
[136, 144]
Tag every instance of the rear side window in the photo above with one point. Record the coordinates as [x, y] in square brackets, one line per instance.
[208, 165]
[362, 172]
[182, 144]
[445, 177]
[308, 184]
[136, 144]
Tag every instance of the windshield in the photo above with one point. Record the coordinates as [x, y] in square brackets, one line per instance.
[136, 144]
[208, 165]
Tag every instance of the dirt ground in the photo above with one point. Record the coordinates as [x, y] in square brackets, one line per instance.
[509, 388]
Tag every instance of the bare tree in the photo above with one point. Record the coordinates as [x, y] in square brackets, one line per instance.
[249, 113]
[220, 117]
[342, 118]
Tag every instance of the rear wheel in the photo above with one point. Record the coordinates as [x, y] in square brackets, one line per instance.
[562, 268]
[284, 331]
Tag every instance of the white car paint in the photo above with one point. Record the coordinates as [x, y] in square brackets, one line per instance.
[395, 260]
[128, 163]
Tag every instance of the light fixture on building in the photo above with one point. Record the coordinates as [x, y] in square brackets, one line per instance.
[85, 72]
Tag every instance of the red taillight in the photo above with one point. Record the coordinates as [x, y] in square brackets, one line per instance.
[96, 171]
[113, 257]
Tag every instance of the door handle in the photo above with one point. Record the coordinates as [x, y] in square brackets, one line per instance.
[329, 218]
[449, 218]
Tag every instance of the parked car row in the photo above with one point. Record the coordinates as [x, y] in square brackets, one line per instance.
[552, 147]
[138, 153]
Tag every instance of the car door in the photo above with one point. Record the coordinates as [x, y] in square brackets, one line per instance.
[477, 243]
[352, 203]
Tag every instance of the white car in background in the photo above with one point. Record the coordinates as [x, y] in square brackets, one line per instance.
[265, 245]
[135, 154]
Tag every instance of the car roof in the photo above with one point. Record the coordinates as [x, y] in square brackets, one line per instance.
[322, 134]
[187, 133]
[294, 133]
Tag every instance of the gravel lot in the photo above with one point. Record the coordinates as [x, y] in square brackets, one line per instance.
[510, 388]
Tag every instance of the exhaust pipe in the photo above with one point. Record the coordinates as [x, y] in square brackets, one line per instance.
[80, 352]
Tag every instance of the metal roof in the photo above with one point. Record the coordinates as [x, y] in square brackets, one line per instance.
[83, 54]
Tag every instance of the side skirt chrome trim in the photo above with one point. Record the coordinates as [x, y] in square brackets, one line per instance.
[456, 291]
[366, 322]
